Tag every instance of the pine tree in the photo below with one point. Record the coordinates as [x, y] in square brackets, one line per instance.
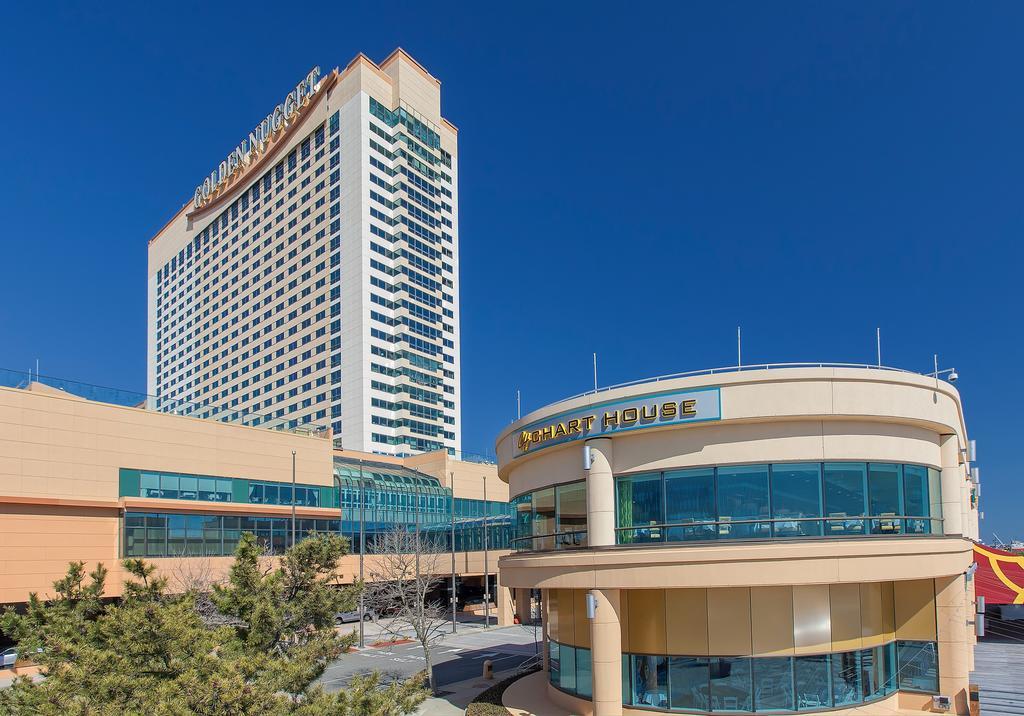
[157, 653]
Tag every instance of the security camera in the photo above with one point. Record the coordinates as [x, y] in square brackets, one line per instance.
[953, 376]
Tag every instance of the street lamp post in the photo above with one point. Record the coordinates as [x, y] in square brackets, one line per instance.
[293, 498]
[487, 570]
[362, 551]
[454, 601]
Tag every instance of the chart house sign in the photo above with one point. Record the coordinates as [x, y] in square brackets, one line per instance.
[254, 145]
[619, 416]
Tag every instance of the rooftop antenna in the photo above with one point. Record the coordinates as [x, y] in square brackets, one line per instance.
[739, 348]
[878, 345]
[595, 372]
[519, 409]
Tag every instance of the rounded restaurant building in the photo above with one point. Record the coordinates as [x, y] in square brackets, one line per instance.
[765, 540]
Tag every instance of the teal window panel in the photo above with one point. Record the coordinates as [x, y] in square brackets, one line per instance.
[128, 483]
[239, 490]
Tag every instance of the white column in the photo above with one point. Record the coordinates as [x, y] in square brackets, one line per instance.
[600, 494]
[952, 485]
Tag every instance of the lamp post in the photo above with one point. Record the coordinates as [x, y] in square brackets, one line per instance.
[293, 498]
[362, 551]
[487, 570]
[454, 601]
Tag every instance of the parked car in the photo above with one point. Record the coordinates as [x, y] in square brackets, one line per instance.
[353, 616]
[9, 656]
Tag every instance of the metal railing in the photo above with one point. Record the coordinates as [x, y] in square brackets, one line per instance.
[712, 531]
[133, 399]
[740, 368]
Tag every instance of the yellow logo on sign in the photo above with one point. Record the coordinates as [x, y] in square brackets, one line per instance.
[610, 421]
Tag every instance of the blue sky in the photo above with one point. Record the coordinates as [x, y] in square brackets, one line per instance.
[806, 170]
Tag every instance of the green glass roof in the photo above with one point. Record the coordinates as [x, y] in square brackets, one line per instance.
[384, 474]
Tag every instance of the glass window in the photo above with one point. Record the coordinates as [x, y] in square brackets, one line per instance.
[891, 663]
[796, 496]
[256, 494]
[271, 496]
[935, 499]
[554, 666]
[730, 684]
[690, 499]
[567, 667]
[212, 536]
[169, 486]
[176, 536]
[149, 483]
[872, 673]
[650, 681]
[188, 487]
[232, 533]
[544, 518]
[207, 488]
[627, 691]
[773, 684]
[811, 676]
[845, 497]
[742, 499]
[584, 674]
[639, 506]
[156, 536]
[572, 514]
[915, 498]
[194, 528]
[884, 486]
[523, 506]
[224, 490]
[134, 535]
[918, 666]
[688, 677]
[846, 687]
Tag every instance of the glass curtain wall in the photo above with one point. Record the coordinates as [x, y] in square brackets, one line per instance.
[551, 518]
[778, 684]
[570, 669]
[781, 500]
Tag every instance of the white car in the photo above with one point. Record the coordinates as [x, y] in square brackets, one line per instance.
[353, 616]
[9, 656]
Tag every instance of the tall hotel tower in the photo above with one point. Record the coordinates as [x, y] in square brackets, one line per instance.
[312, 280]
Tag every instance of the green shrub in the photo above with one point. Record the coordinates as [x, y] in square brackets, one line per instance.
[488, 702]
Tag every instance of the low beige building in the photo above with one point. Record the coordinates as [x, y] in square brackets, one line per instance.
[90, 481]
[764, 540]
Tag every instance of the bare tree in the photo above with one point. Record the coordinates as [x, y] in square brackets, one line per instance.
[404, 572]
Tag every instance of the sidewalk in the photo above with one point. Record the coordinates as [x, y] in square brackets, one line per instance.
[458, 695]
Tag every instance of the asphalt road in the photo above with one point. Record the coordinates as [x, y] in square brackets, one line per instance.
[456, 658]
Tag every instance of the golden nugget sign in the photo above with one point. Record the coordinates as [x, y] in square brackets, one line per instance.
[604, 419]
[254, 145]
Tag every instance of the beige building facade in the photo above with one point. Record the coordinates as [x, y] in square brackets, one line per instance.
[312, 279]
[95, 482]
[755, 541]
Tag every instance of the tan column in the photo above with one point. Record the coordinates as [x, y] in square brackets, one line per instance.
[952, 485]
[606, 653]
[503, 602]
[600, 494]
[522, 605]
[950, 618]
